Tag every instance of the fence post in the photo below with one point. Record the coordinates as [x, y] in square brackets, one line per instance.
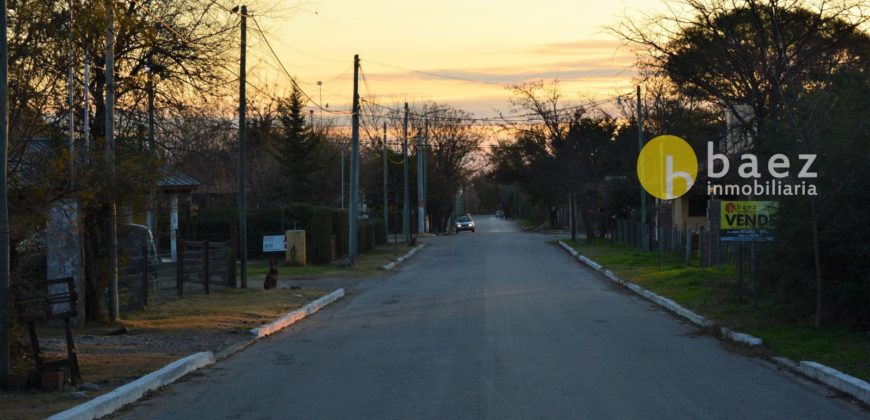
[231, 266]
[701, 247]
[205, 274]
[144, 277]
[179, 267]
[688, 246]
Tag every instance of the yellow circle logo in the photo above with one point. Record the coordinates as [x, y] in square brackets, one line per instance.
[667, 167]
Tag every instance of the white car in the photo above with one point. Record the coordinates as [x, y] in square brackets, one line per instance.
[464, 223]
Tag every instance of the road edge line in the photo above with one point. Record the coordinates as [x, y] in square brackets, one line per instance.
[843, 382]
[129, 393]
[393, 264]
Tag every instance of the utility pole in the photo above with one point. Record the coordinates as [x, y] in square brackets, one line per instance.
[406, 210]
[110, 161]
[4, 211]
[354, 166]
[243, 205]
[341, 152]
[86, 129]
[425, 171]
[70, 82]
[386, 173]
[152, 147]
[643, 230]
[421, 216]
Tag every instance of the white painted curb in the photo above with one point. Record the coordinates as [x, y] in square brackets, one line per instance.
[840, 381]
[402, 259]
[108, 403]
[663, 301]
[836, 379]
[297, 315]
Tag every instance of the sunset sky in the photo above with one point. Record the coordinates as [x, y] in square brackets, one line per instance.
[492, 42]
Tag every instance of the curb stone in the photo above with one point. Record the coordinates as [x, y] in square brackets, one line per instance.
[662, 301]
[109, 403]
[403, 258]
[296, 315]
[829, 376]
[127, 394]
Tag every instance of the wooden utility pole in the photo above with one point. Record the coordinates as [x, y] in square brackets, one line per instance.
[152, 147]
[86, 117]
[243, 210]
[406, 206]
[4, 211]
[353, 214]
[110, 161]
[643, 230]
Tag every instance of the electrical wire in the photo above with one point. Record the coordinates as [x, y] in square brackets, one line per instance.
[287, 73]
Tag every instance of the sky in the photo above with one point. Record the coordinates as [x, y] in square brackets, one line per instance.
[490, 43]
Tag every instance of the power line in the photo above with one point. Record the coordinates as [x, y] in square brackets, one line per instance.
[289, 76]
[444, 76]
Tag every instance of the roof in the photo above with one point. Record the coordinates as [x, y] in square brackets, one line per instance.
[174, 179]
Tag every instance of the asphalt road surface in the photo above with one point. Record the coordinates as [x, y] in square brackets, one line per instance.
[494, 324]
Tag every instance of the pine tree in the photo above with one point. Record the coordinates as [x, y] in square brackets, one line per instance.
[295, 150]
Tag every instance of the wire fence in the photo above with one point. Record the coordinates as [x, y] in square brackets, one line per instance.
[700, 247]
[198, 268]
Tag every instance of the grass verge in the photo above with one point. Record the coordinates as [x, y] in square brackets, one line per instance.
[713, 293]
[366, 264]
[157, 336]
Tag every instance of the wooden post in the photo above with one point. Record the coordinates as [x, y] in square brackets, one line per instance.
[231, 266]
[688, 246]
[145, 277]
[205, 274]
[179, 267]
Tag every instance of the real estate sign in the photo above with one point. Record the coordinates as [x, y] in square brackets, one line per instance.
[747, 220]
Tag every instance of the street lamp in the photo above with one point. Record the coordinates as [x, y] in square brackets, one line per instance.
[320, 88]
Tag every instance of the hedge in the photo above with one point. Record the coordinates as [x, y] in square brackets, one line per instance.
[320, 225]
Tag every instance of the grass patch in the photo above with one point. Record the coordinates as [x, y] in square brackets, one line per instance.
[228, 309]
[713, 293]
[526, 224]
[366, 264]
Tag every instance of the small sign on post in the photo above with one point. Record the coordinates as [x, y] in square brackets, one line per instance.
[747, 221]
[274, 243]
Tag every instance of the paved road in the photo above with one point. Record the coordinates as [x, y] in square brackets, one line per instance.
[495, 324]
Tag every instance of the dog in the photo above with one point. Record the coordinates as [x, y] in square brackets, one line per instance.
[271, 281]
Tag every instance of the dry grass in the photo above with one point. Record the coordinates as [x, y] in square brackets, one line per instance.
[158, 336]
[366, 264]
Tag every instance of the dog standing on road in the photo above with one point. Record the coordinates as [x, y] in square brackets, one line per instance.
[271, 281]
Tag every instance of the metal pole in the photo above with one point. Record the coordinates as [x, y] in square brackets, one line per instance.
[4, 211]
[354, 166]
[243, 212]
[643, 234]
[110, 162]
[406, 210]
[386, 173]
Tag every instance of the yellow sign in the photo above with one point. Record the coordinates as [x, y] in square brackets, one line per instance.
[667, 167]
[745, 215]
